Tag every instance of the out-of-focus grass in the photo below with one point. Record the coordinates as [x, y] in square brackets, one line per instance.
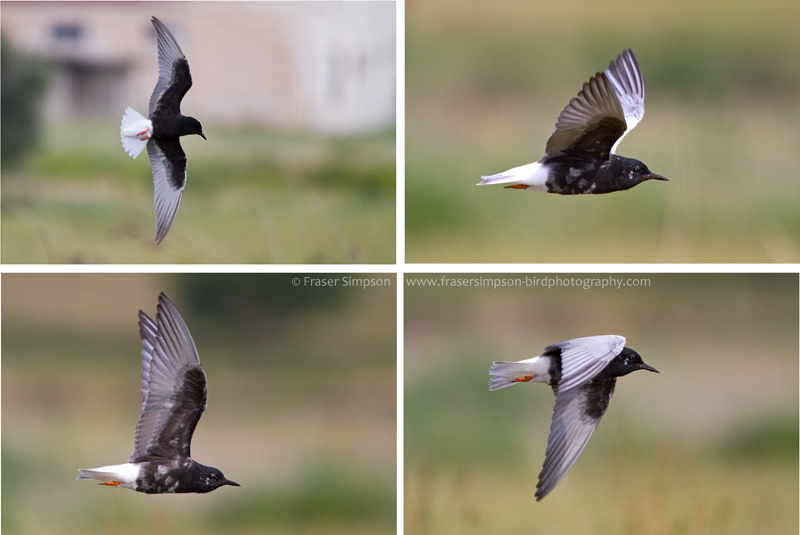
[251, 197]
[672, 492]
[709, 445]
[304, 421]
[486, 82]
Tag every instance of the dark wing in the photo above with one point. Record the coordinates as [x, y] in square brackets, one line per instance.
[174, 78]
[575, 416]
[628, 83]
[173, 387]
[590, 124]
[583, 358]
[168, 162]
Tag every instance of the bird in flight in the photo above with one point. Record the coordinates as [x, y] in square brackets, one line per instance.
[582, 373]
[161, 131]
[580, 155]
[173, 400]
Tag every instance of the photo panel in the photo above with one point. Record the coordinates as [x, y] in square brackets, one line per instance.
[301, 402]
[707, 445]
[526, 96]
[104, 107]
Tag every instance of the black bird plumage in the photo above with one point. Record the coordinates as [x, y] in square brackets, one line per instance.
[579, 157]
[174, 396]
[582, 373]
[161, 132]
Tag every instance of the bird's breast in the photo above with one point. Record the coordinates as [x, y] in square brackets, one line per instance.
[573, 176]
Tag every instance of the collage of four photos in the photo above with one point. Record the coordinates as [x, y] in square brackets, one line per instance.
[327, 248]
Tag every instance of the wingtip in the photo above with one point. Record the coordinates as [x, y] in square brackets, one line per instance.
[164, 301]
[626, 54]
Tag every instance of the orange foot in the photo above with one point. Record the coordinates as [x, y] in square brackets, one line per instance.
[523, 379]
[112, 483]
[518, 186]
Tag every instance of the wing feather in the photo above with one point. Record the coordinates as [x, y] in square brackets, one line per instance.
[174, 77]
[626, 77]
[583, 358]
[575, 417]
[168, 162]
[173, 386]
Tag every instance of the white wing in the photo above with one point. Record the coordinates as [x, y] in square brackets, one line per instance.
[583, 358]
[169, 179]
[628, 83]
[570, 430]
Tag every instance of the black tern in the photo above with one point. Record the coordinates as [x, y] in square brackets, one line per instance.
[582, 373]
[161, 132]
[173, 400]
[579, 157]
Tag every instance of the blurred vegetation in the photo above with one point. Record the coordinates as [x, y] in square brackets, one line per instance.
[251, 197]
[23, 82]
[251, 298]
[304, 421]
[707, 446]
[487, 80]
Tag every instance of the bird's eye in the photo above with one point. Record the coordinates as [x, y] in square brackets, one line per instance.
[212, 477]
[636, 169]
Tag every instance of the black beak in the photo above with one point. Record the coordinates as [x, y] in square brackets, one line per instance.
[204, 137]
[231, 483]
[644, 366]
[656, 177]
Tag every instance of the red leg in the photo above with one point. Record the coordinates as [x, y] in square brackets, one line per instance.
[524, 379]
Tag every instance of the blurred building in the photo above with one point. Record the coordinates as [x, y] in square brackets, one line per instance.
[320, 66]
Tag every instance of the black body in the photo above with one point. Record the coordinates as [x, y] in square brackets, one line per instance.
[573, 175]
[190, 476]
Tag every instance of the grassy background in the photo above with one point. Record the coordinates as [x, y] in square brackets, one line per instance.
[252, 197]
[708, 446]
[302, 404]
[487, 80]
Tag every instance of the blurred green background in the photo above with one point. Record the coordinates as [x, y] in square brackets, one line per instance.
[707, 446]
[486, 81]
[301, 412]
[252, 197]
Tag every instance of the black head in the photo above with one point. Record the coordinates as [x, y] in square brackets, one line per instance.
[208, 479]
[635, 172]
[629, 361]
[190, 125]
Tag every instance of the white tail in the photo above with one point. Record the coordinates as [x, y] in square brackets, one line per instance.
[510, 373]
[125, 474]
[500, 178]
[134, 132]
[533, 175]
